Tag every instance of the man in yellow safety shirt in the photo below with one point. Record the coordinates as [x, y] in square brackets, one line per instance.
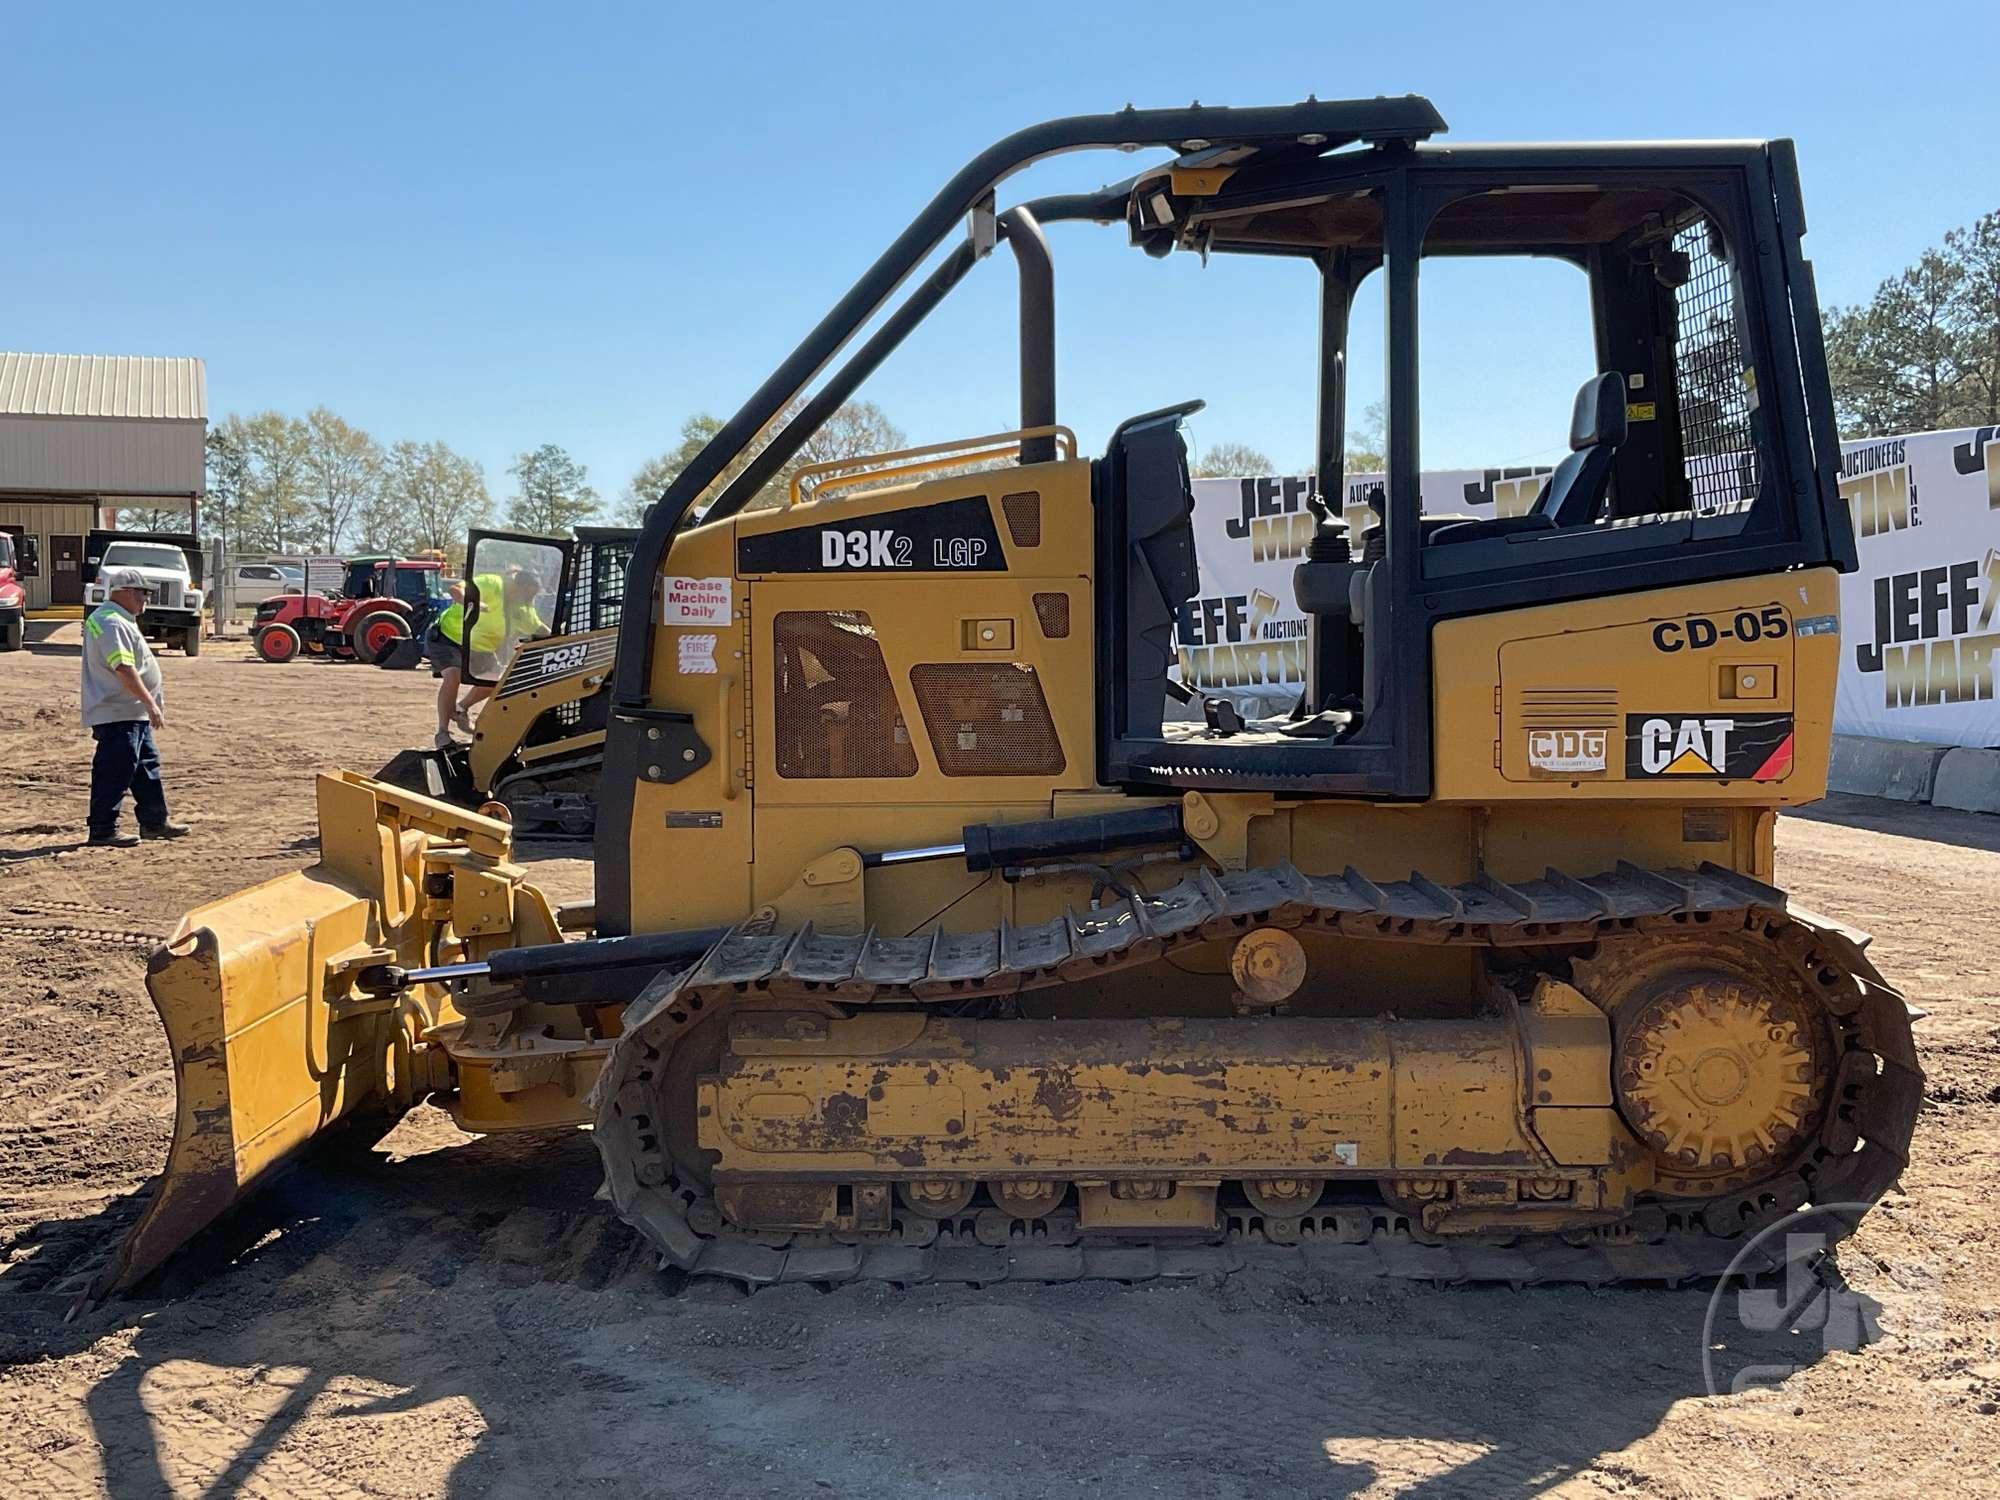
[506, 616]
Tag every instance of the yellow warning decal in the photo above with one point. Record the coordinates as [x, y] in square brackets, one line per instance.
[1639, 411]
[1687, 763]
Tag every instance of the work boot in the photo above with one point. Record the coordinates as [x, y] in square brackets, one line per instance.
[111, 839]
[444, 741]
[164, 831]
[462, 717]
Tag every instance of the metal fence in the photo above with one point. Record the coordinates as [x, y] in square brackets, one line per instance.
[237, 582]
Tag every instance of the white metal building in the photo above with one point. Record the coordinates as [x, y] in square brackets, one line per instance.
[84, 434]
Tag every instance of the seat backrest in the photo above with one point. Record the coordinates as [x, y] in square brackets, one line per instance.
[1151, 570]
[1576, 489]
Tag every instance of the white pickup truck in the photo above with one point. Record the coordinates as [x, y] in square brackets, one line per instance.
[173, 612]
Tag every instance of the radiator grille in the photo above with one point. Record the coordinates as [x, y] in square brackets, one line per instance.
[1567, 707]
[1024, 517]
[987, 719]
[835, 710]
[1052, 610]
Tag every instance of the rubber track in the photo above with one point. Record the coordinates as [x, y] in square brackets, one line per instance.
[1862, 1149]
[591, 761]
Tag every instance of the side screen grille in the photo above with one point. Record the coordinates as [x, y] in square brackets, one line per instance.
[1024, 517]
[987, 719]
[1053, 612]
[576, 619]
[599, 591]
[836, 712]
[608, 561]
[1709, 368]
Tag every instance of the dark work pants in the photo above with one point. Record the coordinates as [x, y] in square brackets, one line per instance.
[126, 760]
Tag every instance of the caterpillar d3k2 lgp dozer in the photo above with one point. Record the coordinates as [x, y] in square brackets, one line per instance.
[929, 943]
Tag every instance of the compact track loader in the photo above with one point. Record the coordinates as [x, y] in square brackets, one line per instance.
[929, 943]
[538, 743]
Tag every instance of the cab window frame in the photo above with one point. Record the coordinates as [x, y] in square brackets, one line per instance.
[1572, 562]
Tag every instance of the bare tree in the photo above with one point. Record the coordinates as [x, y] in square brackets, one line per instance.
[228, 479]
[1231, 461]
[430, 497]
[553, 496]
[855, 430]
[154, 518]
[1368, 444]
[344, 468]
[654, 475]
[259, 464]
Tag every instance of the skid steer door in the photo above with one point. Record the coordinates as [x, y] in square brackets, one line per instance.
[513, 582]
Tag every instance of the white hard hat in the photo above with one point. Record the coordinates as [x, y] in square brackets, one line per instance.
[113, 579]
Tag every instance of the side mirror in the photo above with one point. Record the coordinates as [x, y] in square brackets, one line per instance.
[29, 549]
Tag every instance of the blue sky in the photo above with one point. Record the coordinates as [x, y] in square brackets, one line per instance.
[508, 225]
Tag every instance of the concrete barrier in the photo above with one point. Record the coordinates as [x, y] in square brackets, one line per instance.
[1968, 780]
[1900, 770]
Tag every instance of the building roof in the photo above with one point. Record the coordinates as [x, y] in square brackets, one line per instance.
[103, 385]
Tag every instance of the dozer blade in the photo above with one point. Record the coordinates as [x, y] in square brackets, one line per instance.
[271, 1043]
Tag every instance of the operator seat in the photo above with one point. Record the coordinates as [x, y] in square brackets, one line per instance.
[1575, 491]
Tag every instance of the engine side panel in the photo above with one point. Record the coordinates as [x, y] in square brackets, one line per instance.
[1717, 693]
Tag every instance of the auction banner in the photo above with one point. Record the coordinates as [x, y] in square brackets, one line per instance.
[1919, 621]
[1244, 638]
[1919, 629]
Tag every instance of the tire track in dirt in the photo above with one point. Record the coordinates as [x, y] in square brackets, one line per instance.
[114, 937]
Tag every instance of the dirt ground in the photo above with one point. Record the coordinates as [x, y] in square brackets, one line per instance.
[451, 1316]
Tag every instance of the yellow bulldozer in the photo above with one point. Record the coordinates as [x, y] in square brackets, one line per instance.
[936, 936]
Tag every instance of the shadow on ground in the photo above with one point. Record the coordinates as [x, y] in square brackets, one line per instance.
[16, 854]
[1910, 820]
[468, 1320]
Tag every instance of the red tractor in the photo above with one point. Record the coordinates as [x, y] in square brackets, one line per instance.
[384, 601]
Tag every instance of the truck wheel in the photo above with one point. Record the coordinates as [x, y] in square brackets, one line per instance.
[380, 635]
[10, 635]
[277, 642]
[191, 640]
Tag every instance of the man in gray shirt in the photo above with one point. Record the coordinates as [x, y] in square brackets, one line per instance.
[123, 698]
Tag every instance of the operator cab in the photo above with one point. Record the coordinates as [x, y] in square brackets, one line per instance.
[1672, 469]
[417, 584]
[362, 573]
